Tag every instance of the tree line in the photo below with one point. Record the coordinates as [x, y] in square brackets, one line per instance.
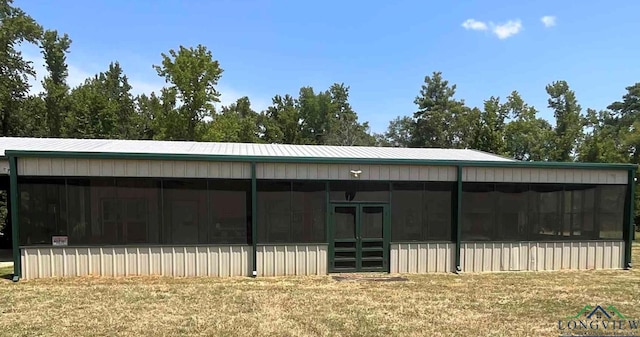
[103, 106]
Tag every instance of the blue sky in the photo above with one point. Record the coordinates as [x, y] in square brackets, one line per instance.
[382, 50]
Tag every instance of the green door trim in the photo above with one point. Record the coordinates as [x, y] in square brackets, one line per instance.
[358, 247]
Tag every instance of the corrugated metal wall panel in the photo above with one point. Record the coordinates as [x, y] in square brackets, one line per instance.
[4, 167]
[280, 260]
[534, 256]
[544, 175]
[132, 168]
[422, 258]
[342, 172]
[128, 261]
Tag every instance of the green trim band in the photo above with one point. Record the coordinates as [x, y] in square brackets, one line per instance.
[543, 241]
[13, 205]
[421, 242]
[281, 159]
[292, 244]
[141, 246]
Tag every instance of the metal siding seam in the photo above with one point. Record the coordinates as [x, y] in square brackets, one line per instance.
[197, 262]
[208, 261]
[185, 261]
[39, 260]
[26, 265]
[77, 258]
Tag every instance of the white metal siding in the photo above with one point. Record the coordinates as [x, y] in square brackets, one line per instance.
[280, 260]
[534, 256]
[544, 175]
[132, 168]
[131, 261]
[343, 172]
[422, 257]
[4, 167]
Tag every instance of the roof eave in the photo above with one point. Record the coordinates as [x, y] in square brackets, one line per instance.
[325, 160]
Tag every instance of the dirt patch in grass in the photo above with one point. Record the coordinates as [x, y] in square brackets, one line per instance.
[498, 304]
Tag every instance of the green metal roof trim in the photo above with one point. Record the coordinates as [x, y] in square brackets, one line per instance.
[324, 160]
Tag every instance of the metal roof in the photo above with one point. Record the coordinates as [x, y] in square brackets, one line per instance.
[116, 146]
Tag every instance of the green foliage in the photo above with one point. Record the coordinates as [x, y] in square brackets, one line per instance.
[527, 137]
[193, 75]
[437, 122]
[54, 48]
[103, 107]
[280, 121]
[601, 143]
[568, 130]
[343, 126]
[491, 131]
[314, 113]
[398, 134]
[237, 123]
[16, 27]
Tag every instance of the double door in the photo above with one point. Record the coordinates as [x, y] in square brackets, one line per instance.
[359, 238]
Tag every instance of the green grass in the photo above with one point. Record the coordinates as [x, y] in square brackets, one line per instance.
[492, 304]
[6, 272]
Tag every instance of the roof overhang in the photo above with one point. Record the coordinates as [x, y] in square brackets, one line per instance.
[326, 160]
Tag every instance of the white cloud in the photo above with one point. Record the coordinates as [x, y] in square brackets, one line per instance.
[502, 31]
[507, 29]
[548, 21]
[473, 24]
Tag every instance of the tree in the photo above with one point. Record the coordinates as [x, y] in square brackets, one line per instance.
[626, 119]
[54, 48]
[602, 143]
[527, 137]
[103, 107]
[436, 118]
[147, 110]
[33, 118]
[569, 122]
[193, 74]
[344, 128]
[398, 134]
[314, 113]
[16, 27]
[166, 121]
[280, 122]
[490, 133]
[237, 123]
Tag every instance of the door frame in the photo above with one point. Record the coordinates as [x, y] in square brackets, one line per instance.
[386, 234]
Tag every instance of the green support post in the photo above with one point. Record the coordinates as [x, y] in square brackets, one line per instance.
[629, 218]
[254, 219]
[13, 202]
[328, 226]
[458, 220]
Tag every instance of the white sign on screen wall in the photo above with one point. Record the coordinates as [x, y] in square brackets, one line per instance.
[59, 240]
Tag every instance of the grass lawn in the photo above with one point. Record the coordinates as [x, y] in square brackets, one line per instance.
[497, 304]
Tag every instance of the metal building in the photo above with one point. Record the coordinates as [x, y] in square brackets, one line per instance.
[122, 207]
